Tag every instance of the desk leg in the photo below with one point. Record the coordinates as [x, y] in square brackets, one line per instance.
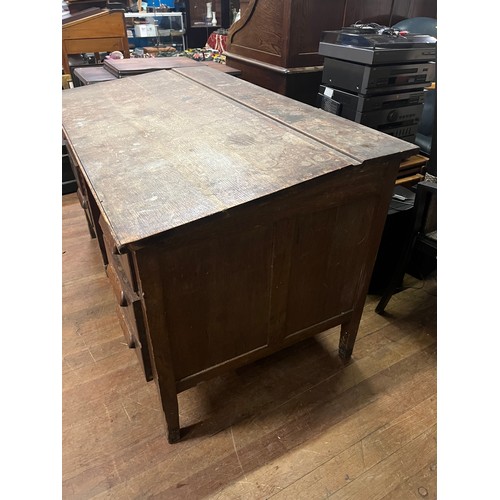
[170, 406]
[349, 330]
[174, 436]
[148, 269]
[173, 427]
[348, 333]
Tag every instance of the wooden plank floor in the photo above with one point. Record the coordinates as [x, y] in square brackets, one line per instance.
[296, 425]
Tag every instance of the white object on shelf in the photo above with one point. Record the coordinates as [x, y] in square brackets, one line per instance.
[214, 19]
[142, 30]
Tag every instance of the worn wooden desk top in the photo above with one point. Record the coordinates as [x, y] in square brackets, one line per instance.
[164, 149]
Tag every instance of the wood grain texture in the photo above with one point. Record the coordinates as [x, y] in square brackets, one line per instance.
[191, 175]
[347, 137]
[299, 424]
[275, 32]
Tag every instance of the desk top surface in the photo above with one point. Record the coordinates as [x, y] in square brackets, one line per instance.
[163, 149]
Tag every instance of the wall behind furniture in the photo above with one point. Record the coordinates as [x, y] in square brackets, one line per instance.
[386, 12]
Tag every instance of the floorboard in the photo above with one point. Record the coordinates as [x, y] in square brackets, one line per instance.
[299, 424]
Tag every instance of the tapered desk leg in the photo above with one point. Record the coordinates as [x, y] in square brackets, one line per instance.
[171, 411]
[174, 436]
[147, 266]
[348, 333]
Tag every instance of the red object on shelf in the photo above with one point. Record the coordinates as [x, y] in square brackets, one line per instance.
[217, 42]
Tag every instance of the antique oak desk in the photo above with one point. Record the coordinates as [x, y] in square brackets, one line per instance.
[232, 221]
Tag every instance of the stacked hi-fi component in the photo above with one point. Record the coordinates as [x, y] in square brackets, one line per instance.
[376, 76]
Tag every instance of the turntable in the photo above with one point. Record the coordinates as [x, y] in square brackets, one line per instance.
[371, 46]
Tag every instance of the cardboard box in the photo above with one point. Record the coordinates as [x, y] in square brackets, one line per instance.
[145, 30]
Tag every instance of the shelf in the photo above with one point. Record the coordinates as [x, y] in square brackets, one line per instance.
[152, 14]
[205, 25]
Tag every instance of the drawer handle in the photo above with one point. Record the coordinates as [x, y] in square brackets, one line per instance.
[123, 299]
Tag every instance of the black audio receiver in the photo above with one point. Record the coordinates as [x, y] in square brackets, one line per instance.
[362, 79]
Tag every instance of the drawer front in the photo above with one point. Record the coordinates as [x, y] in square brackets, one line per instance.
[122, 261]
[122, 294]
[128, 302]
[131, 322]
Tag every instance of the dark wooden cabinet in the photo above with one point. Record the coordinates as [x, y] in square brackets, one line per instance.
[278, 32]
[275, 44]
[233, 221]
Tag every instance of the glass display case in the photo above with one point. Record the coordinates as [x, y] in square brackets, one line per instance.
[156, 30]
[204, 17]
[205, 14]
[217, 13]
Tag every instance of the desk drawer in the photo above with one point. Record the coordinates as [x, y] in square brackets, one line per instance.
[128, 301]
[130, 314]
[123, 294]
[124, 261]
